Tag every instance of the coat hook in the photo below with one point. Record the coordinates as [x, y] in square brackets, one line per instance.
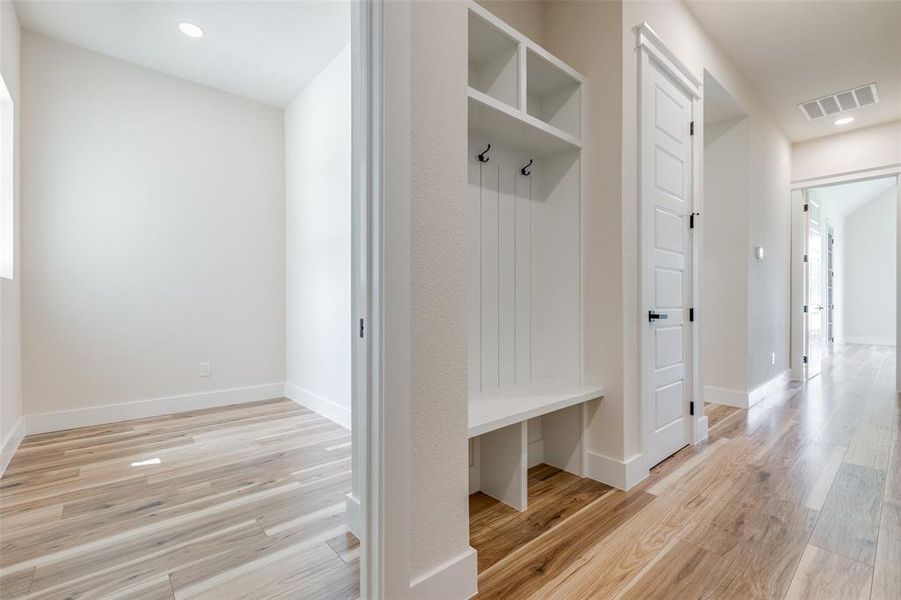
[523, 170]
[482, 157]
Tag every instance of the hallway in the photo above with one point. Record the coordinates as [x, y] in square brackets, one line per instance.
[798, 497]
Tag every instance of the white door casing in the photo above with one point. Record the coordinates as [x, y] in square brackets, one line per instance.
[813, 289]
[667, 194]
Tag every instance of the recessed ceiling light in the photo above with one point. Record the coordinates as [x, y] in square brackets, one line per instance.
[191, 30]
[844, 120]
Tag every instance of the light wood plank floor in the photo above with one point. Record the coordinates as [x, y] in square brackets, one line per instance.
[718, 412]
[245, 501]
[799, 497]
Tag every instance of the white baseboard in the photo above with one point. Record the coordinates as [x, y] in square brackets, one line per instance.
[869, 340]
[112, 413]
[354, 516]
[750, 398]
[725, 397]
[11, 444]
[622, 474]
[773, 386]
[329, 409]
[701, 429]
[455, 579]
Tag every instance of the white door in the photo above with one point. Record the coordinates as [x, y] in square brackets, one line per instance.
[814, 340]
[666, 207]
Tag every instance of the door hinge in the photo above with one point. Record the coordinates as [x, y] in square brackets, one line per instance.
[805, 308]
[804, 360]
[691, 219]
[691, 314]
[806, 207]
[805, 258]
[691, 408]
[691, 128]
[362, 328]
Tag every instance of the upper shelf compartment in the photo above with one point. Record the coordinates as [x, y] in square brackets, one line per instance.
[520, 94]
[493, 60]
[553, 94]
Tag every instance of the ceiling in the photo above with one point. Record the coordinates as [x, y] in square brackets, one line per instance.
[266, 51]
[847, 198]
[792, 51]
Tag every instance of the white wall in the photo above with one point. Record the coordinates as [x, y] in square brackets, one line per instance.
[868, 148]
[318, 242]
[153, 234]
[724, 270]
[869, 266]
[11, 408]
[434, 348]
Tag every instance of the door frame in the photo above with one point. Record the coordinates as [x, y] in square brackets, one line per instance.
[380, 175]
[807, 218]
[364, 500]
[651, 47]
[799, 189]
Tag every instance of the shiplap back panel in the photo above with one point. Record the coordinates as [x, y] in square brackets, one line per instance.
[523, 269]
[499, 271]
[559, 336]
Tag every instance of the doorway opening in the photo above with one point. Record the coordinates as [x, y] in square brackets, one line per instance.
[724, 260]
[197, 253]
[845, 270]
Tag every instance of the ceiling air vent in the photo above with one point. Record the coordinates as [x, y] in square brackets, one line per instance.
[840, 102]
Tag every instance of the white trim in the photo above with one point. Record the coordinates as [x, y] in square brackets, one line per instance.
[154, 407]
[455, 579]
[868, 340]
[650, 41]
[702, 429]
[321, 405]
[354, 515]
[386, 519]
[770, 387]
[847, 177]
[622, 474]
[750, 398]
[11, 444]
[724, 397]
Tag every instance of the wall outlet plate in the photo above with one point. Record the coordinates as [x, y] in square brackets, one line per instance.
[206, 369]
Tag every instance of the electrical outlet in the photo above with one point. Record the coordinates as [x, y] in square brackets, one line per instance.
[773, 359]
[206, 369]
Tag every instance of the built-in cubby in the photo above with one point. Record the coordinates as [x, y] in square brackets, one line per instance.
[493, 61]
[523, 270]
[553, 93]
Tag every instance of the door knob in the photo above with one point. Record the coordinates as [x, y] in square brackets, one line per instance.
[652, 316]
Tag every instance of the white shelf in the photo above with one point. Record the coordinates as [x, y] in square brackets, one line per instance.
[493, 60]
[495, 120]
[553, 94]
[491, 410]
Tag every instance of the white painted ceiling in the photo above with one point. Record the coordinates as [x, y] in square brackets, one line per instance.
[263, 50]
[847, 198]
[792, 51]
